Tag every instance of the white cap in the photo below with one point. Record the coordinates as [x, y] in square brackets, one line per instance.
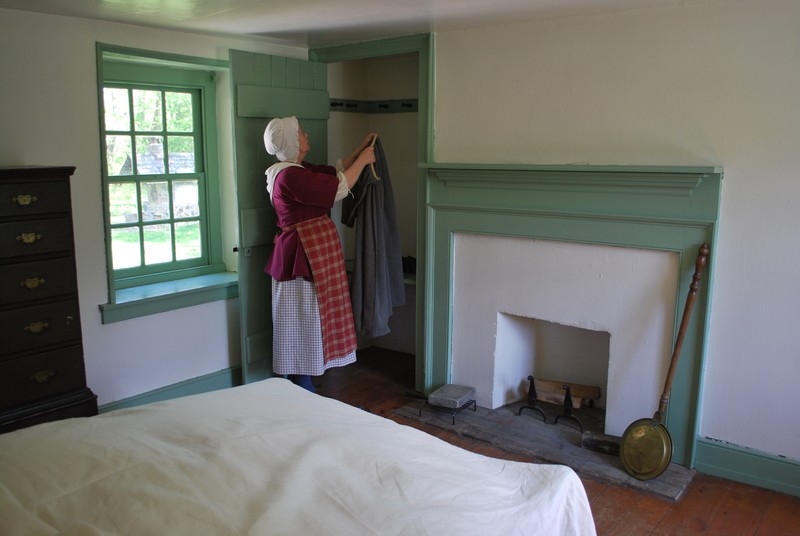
[281, 138]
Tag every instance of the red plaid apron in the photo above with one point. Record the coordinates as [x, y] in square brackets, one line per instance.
[324, 251]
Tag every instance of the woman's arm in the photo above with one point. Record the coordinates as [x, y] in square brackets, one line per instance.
[347, 162]
[362, 156]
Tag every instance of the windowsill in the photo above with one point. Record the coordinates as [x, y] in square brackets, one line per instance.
[161, 297]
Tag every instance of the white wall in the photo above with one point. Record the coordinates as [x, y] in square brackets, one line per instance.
[701, 83]
[49, 116]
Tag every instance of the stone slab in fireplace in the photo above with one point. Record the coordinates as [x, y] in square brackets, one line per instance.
[659, 214]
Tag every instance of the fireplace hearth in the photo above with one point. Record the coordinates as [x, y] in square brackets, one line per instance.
[583, 218]
[528, 436]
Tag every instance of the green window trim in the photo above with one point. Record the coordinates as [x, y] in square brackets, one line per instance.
[135, 293]
[157, 298]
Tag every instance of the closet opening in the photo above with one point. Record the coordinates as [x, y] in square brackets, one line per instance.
[381, 95]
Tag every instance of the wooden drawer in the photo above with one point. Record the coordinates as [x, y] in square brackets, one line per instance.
[36, 280]
[29, 328]
[21, 238]
[40, 376]
[30, 198]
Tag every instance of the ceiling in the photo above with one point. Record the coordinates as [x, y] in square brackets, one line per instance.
[323, 22]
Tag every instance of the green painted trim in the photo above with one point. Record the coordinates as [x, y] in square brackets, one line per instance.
[164, 59]
[566, 169]
[651, 207]
[193, 284]
[749, 466]
[392, 46]
[263, 101]
[223, 379]
[100, 50]
[162, 297]
[175, 275]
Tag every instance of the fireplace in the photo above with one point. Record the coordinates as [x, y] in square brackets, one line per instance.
[549, 350]
[542, 299]
[605, 248]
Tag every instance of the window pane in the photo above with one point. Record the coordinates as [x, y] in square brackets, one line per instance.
[152, 130]
[147, 110]
[125, 251]
[187, 240]
[181, 154]
[179, 112]
[150, 155]
[185, 199]
[122, 202]
[118, 155]
[155, 201]
[117, 108]
[157, 244]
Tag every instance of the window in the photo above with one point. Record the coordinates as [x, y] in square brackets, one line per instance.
[161, 189]
[154, 175]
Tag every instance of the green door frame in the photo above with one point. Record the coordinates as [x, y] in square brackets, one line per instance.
[423, 46]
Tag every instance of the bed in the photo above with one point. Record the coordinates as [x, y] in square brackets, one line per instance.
[270, 458]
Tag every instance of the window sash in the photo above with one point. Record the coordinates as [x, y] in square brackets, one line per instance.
[179, 265]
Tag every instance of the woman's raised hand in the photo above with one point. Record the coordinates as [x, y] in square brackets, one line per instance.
[368, 140]
[367, 155]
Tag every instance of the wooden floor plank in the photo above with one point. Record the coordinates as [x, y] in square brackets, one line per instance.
[782, 517]
[641, 515]
[693, 514]
[610, 506]
[740, 512]
[593, 488]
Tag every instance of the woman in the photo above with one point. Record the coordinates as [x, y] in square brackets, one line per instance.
[311, 312]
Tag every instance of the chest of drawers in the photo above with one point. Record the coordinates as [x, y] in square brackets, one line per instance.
[42, 374]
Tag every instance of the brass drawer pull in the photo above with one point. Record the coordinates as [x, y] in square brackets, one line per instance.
[42, 376]
[36, 327]
[28, 238]
[24, 200]
[31, 283]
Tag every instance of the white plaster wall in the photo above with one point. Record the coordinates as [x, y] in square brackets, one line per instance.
[49, 116]
[512, 360]
[696, 83]
[629, 293]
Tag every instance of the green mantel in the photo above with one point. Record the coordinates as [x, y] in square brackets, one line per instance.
[653, 207]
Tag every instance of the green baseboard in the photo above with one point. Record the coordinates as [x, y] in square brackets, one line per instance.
[222, 379]
[749, 466]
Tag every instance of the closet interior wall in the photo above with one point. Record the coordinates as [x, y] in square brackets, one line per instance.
[382, 79]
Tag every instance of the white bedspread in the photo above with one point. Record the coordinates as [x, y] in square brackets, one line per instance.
[270, 458]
